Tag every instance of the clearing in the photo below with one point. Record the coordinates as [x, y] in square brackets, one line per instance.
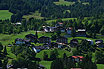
[5, 14]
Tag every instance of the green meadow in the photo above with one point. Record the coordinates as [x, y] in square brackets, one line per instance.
[63, 19]
[5, 14]
[6, 39]
[35, 15]
[62, 2]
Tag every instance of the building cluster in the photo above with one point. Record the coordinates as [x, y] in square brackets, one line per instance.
[81, 32]
[47, 43]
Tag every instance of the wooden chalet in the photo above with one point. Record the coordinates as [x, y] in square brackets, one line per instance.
[44, 39]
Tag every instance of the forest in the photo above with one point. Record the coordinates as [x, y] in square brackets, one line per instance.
[82, 14]
[51, 11]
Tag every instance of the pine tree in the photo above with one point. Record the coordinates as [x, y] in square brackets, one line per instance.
[5, 51]
[1, 47]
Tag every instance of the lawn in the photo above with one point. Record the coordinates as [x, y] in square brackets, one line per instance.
[62, 2]
[60, 51]
[47, 64]
[6, 39]
[100, 66]
[5, 14]
[35, 15]
[63, 19]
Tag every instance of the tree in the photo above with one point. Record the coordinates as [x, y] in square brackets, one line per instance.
[5, 51]
[58, 32]
[57, 64]
[45, 56]
[99, 55]
[54, 54]
[64, 55]
[73, 33]
[102, 30]
[4, 66]
[1, 47]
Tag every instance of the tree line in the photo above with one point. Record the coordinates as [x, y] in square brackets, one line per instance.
[51, 11]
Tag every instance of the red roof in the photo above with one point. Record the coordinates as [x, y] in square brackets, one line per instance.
[60, 23]
[78, 57]
[76, 68]
[74, 56]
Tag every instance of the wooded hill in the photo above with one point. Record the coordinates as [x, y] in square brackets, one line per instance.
[48, 9]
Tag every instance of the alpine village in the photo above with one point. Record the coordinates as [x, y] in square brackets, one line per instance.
[51, 34]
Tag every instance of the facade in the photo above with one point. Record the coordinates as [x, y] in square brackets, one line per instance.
[81, 32]
[31, 37]
[91, 41]
[49, 29]
[19, 41]
[77, 58]
[62, 40]
[69, 30]
[44, 39]
[73, 42]
[99, 43]
[59, 24]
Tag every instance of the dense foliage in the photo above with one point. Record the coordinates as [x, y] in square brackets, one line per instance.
[50, 10]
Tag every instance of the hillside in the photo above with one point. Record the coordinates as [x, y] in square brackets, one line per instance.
[5, 14]
[53, 9]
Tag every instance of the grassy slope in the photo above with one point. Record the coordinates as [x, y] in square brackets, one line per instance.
[62, 2]
[35, 15]
[5, 14]
[100, 66]
[47, 64]
[63, 19]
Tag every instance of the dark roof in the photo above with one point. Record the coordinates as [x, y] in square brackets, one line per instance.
[44, 37]
[62, 37]
[99, 41]
[30, 35]
[19, 39]
[74, 41]
[39, 47]
[78, 57]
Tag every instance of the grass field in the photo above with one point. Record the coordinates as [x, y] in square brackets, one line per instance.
[100, 66]
[35, 15]
[63, 19]
[5, 14]
[47, 64]
[6, 39]
[62, 2]
[61, 52]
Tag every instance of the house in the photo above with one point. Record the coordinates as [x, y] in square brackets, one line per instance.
[49, 29]
[44, 39]
[37, 49]
[76, 68]
[18, 23]
[59, 24]
[31, 37]
[46, 46]
[77, 58]
[62, 39]
[81, 32]
[19, 41]
[41, 66]
[54, 45]
[69, 30]
[74, 42]
[61, 45]
[99, 43]
[90, 41]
